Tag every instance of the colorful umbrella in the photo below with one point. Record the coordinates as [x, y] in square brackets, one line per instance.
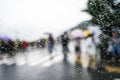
[86, 32]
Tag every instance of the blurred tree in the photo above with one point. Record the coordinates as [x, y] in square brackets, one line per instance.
[105, 13]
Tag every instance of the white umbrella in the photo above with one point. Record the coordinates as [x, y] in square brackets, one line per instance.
[97, 32]
[77, 33]
[94, 29]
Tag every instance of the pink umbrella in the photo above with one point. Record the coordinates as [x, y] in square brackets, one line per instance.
[78, 33]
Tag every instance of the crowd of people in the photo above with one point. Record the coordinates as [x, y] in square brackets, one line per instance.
[85, 47]
[10, 47]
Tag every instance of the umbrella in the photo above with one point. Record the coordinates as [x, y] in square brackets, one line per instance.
[94, 29]
[97, 32]
[86, 32]
[4, 38]
[77, 33]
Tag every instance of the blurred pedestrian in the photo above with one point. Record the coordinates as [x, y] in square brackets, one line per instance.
[77, 49]
[51, 43]
[114, 47]
[11, 47]
[41, 43]
[5, 47]
[24, 45]
[18, 45]
[65, 41]
[92, 51]
[88, 49]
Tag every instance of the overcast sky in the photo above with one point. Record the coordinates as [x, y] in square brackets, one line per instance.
[29, 19]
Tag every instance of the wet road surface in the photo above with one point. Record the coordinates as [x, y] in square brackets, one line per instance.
[59, 71]
[33, 66]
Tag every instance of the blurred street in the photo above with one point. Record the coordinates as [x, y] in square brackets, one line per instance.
[60, 40]
[39, 65]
